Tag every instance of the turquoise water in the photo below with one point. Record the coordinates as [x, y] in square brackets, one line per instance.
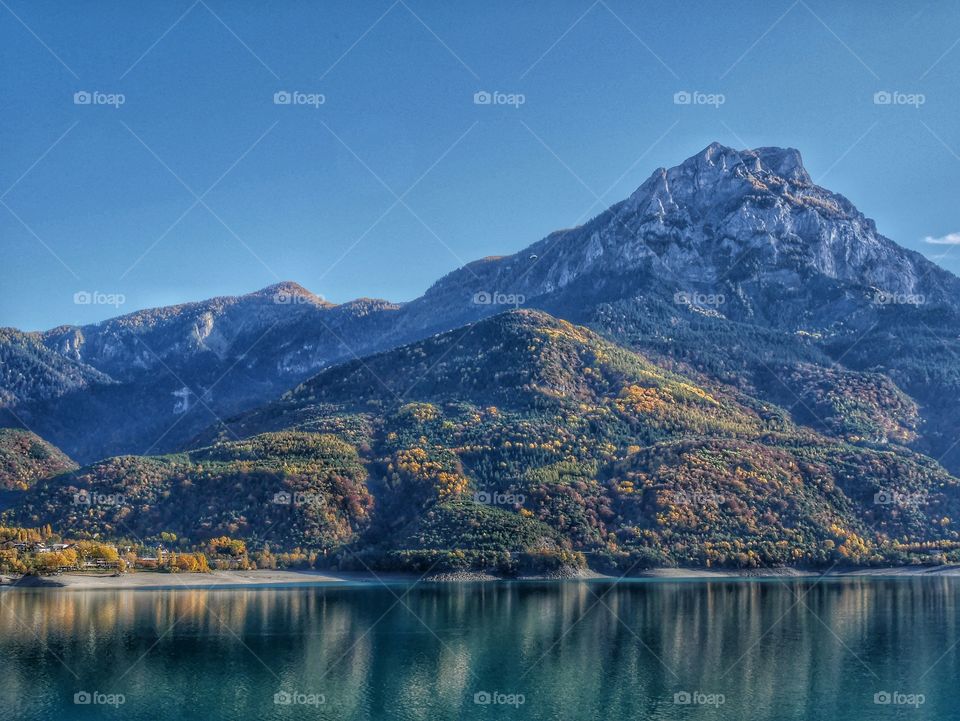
[751, 650]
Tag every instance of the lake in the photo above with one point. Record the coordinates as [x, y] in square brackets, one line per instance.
[868, 648]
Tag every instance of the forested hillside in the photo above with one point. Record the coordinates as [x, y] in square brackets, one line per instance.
[524, 442]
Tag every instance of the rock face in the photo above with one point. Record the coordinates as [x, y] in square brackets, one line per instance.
[733, 263]
[748, 225]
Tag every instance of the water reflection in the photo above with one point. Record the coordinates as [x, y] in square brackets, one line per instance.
[772, 649]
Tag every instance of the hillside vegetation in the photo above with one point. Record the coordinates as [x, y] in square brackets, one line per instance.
[524, 443]
[26, 458]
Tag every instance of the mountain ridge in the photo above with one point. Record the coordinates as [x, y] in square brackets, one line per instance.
[726, 242]
[525, 440]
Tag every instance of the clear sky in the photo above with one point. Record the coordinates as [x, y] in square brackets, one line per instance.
[199, 184]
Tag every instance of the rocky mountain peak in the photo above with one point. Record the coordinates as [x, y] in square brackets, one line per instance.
[717, 160]
[719, 172]
[750, 225]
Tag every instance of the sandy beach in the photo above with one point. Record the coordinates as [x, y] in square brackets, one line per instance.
[261, 578]
[214, 579]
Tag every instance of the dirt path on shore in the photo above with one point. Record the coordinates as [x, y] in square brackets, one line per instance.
[260, 578]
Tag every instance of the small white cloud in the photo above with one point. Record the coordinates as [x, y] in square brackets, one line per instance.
[948, 239]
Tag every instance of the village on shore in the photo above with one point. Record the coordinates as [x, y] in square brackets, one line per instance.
[41, 552]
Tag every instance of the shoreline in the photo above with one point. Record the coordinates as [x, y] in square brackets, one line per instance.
[275, 578]
[795, 572]
[153, 580]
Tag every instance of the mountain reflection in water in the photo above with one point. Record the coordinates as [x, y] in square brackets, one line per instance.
[771, 649]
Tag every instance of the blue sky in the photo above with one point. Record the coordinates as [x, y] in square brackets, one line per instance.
[198, 184]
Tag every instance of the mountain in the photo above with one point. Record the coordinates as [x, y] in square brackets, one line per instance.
[737, 267]
[733, 267]
[30, 372]
[153, 379]
[520, 442]
[623, 458]
[521, 366]
[745, 232]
